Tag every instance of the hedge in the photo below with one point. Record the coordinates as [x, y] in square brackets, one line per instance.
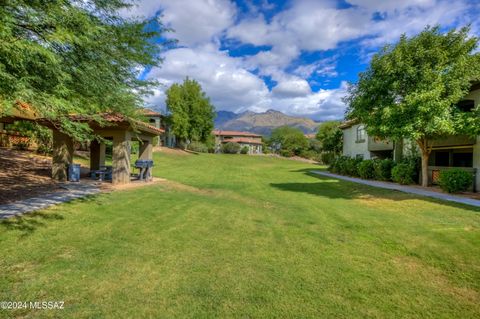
[455, 180]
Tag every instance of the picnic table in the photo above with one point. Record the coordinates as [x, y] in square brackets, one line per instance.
[102, 174]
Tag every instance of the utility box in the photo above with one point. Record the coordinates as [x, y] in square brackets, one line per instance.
[74, 172]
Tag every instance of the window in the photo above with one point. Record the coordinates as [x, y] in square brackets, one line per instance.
[442, 158]
[463, 159]
[360, 134]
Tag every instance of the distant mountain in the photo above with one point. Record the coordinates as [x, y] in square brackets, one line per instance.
[262, 123]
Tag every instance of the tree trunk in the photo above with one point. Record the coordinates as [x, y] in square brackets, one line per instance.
[425, 157]
[423, 144]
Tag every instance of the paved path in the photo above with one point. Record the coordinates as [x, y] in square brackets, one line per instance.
[70, 192]
[405, 189]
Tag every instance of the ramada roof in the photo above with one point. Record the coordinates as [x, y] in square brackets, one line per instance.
[119, 119]
[24, 111]
[242, 140]
[234, 133]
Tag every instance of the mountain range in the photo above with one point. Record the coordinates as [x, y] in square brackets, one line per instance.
[262, 123]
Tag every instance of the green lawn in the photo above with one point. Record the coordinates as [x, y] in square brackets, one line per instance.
[245, 237]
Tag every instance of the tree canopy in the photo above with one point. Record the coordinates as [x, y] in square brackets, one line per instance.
[410, 90]
[331, 137]
[74, 56]
[191, 113]
[291, 141]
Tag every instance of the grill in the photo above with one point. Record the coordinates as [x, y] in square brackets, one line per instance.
[145, 167]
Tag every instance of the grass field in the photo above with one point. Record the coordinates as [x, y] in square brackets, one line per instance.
[245, 237]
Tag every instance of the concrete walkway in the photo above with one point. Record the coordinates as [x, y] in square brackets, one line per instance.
[70, 192]
[405, 189]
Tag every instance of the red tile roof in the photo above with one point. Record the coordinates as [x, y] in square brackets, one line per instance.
[348, 123]
[234, 133]
[27, 112]
[119, 118]
[149, 112]
[242, 140]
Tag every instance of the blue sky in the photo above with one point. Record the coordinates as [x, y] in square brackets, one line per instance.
[295, 56]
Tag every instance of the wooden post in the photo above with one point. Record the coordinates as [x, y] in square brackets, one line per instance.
[121, 158]
[146, 149]
[97, 155]
[62, 155]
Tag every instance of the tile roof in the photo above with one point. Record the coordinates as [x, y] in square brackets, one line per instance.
[348, 123]
[119, 118]
[242, 140]
[234, 133]
[26, 112]
[149, 112]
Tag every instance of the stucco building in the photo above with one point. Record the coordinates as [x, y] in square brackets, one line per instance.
[453, 151]
[245, 139]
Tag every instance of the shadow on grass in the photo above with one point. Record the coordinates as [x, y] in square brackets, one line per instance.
[340, 189]
[29, 222]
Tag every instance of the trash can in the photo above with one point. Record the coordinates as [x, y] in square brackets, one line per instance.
[74, 172]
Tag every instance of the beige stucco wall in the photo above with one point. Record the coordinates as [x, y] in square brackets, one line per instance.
[351, 147]
[474, 95]
[476, 162]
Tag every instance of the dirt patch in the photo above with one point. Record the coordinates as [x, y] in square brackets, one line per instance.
[24, 175]
[293, 158]
[109, 187]
[174, 151]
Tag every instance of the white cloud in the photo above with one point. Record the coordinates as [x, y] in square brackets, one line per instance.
[321, 105]
[226, 82]
[193, 22]
[414, 19]
[294, 87]
[231, 87]
[390, 5]
[236, 84]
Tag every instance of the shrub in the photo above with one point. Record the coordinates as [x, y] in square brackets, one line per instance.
[335, 164]
[383, 169]
[310, 154]
[415, 164]
[345, 165]
[197, 147]
[44, 149]
[22, 145]
[244, 150]
[366, 169]
[134, 148]
[327, 158]
[286, 153]
[351, 166]
[455, 180]
[403, 174]
[230, 148]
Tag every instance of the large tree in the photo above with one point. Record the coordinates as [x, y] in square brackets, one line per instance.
[331, 137]
[289, 140]
[410, 90]
[74, 56]
[191, 113]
